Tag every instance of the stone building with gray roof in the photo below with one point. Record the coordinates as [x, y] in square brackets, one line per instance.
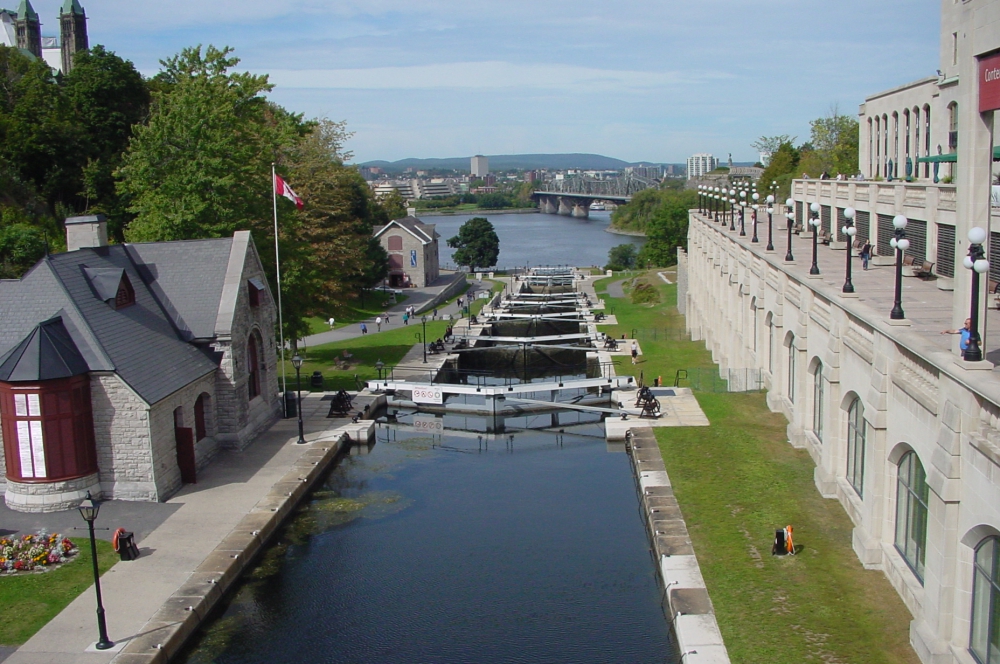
[413, 252]
[125, 368]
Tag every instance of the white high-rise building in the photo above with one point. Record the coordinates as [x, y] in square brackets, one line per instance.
[480, 166]
[700, 164]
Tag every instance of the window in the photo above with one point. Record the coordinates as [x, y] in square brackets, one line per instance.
[253, 367]
[395, 243]
[927, 140]
[30, 440]
[911, 513]
[255, 291]
[791, 368]
[818, 401]
[906, 138]
[753, 312]
[916, 142]
[770, 347]
[200, 431]
[885, 144]
[870, 141]
[984, 640]
[856, 445]
[126, 294]
[954, 48]
[953, 127]
[895, 145]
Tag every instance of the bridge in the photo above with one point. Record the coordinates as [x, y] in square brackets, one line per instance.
[573, 196]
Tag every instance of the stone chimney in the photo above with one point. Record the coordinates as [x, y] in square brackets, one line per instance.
[86, 232]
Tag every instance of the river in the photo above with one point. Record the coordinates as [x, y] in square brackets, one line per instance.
[527, 239]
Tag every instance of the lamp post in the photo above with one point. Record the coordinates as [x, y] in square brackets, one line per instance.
[756, 197]
[297, 363]
[814, 222]
[715, 202]
[789, 204]
[975, 261]
[378, 367]
[900, 244]
[732, 209]
[770, 223]
[423, 335]
[743, 204]
[88, 510]
[849, 230]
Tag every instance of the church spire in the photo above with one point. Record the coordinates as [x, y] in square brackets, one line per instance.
[28, 29]
[26, 11]
[71, 7]
[72, 32]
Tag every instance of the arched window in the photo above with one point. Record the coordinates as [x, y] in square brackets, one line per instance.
[253, 366]
[870, 146]
[791, 368]
[953, 127]
[818, 395]
[927, 139]
[200, 404]
[770, 346]
[885, 145]
[911, 513]
[895, 144]
[856, 445]
[906, 139]
[395, 243]
[984, 639]
[753, 312]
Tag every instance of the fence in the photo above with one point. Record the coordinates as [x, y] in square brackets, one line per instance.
[711, 379]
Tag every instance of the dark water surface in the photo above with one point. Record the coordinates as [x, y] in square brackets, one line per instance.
[434, 549]
[540, 239]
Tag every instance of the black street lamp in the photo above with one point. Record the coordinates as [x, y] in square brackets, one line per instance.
[88, 510]
[423, 336]
[378, 367]
[297, 363]
[900, 244]
[732, 209]
[718, 205]
[756, 197]
[743, 204]
[701, 198]
[789, 205]
[849, 230]
[975, 261]
[814, 222]
[770, 223]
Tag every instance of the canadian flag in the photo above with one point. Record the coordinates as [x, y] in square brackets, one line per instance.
[282, 189]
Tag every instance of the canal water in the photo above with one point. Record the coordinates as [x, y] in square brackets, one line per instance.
[437, 544]
[525, 237]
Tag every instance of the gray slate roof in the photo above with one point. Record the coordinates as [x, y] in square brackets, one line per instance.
[47, 353]
[418, 229]
[177, 288]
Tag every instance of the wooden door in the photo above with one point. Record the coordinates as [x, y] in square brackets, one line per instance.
[185, 454]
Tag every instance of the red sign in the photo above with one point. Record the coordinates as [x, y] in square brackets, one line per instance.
[989, 83]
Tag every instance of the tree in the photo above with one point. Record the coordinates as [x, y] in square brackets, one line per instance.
[201, 167]
[835, 138]
[666, 231]
[394, 205]
[781, 169]
[107, 96]
[621, 257]
[769, 144]
[477, 244]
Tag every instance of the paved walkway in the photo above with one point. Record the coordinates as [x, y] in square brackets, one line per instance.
[927, 308]
[181, 533]
[415, 298]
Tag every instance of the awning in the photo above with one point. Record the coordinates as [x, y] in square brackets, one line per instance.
[950, 157]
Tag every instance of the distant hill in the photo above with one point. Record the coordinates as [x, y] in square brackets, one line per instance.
[503, 162]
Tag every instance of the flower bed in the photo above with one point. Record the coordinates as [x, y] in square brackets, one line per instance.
[29, 552]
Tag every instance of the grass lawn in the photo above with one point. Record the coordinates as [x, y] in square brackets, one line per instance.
[31, 600]
[389, 346]
[739, 480]
[351, 314]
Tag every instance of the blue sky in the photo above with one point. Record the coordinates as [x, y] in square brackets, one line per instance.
[654, 80]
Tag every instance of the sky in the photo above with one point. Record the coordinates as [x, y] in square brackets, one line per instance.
[641, 81]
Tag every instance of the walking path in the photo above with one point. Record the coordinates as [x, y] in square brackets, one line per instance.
[183, 532]
[415, 298]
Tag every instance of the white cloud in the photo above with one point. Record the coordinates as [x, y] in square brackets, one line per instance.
[488, 75]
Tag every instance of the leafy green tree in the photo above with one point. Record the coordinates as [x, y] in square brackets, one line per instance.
[835, 139]
[107, 96]
[477, 244]
[494, 201]
[781, 169]
[201, 167]
[770, 144]
[666, 231]
[393, 205]
[621, 257]
[644, 206]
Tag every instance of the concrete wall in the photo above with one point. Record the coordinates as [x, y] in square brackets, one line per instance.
[915, 397]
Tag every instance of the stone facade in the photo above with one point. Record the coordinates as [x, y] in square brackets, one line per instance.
[50, 496]
[413, 259]
[752, 313]
[123, 437]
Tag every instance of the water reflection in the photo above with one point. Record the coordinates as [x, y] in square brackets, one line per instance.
[432, 547]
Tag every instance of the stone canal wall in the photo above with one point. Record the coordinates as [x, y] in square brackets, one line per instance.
[686, 599]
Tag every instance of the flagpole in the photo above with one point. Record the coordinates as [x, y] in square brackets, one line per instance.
[277, 267]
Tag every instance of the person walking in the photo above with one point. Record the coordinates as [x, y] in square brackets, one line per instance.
[378, 323]
[331, 322]
[866, 254]
[406, 318]
[965, 331]
[364, 329]
[635, 351]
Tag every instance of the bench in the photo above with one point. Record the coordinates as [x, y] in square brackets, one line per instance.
[994, 287]
[823, 236]
[917, 268]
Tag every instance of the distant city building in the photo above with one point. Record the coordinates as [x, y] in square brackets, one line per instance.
[643, 171]
[749, 172]
[530, 176]
[23, 30]
[670, 169]
[480, 166]
[700, 164]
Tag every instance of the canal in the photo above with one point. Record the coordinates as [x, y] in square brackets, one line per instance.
[457, 546]
[525, 237]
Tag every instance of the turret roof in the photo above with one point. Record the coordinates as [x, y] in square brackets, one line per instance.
[25, 10]
[71, 7]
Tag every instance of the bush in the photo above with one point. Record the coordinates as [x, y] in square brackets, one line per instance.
[644, 292]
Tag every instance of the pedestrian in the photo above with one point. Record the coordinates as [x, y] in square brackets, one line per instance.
[406, 318]
[866, 254]
[435, 314]
[635, 351]
[378, 323]
[364, 329]
[459, 303]
[965, 331]
[331, 322]
[386, 321]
